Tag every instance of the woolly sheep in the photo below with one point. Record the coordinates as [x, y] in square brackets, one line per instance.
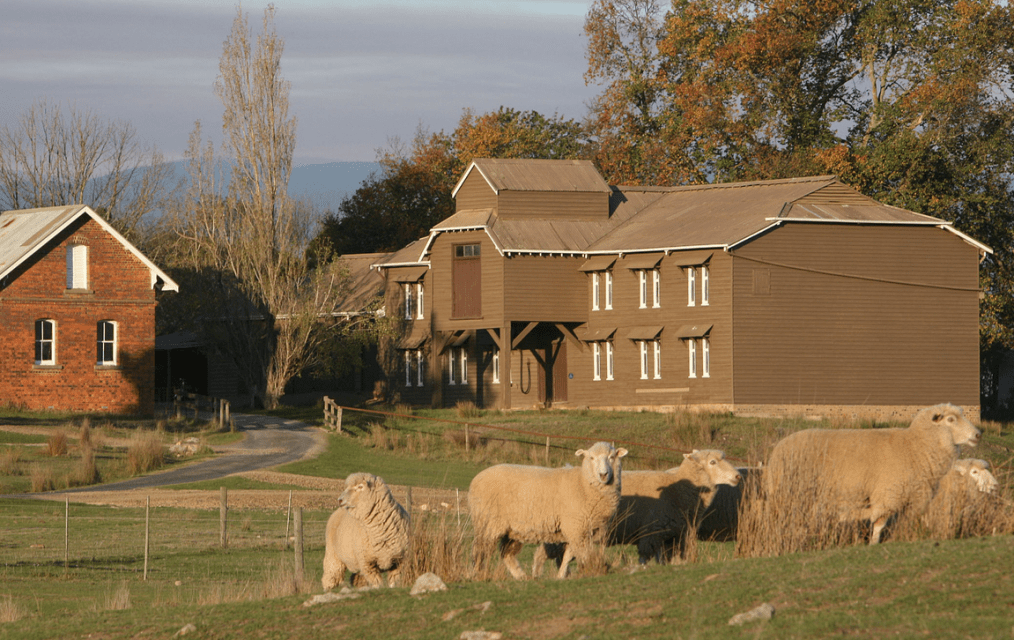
[367, 534]
[658, 508]
[513, 505]
[962, 490]
[872, 474]
[720, 519]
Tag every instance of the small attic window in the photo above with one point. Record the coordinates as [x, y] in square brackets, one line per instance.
[77, 266]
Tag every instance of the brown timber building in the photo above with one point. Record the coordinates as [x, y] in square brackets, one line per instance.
[548, 287]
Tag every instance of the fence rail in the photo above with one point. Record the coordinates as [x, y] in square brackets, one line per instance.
[195, 402]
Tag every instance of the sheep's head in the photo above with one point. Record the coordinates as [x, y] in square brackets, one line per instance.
[977, 472]
[601, 463]
[952, 417]
[359, 488]
[719, 470]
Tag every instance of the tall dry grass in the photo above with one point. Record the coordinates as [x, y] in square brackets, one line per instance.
[86, 472]
[10, 461]
[42, 478]
[11, 611]
[56, 444]
[145, 452]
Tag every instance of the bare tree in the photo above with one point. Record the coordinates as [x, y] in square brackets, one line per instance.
[52, 157]
[261, 302]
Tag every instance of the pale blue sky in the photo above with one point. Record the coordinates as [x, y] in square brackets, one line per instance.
[361, 72]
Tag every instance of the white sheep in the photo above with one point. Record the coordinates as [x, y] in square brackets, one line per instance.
[367, 534]
[659, 508]
[963, 490]
[512, 505]
[720, 519]
[871, 474]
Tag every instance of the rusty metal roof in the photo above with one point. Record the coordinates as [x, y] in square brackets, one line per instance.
[25, 231]
[503, 174]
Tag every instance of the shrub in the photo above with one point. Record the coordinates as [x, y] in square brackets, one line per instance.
[145, 452]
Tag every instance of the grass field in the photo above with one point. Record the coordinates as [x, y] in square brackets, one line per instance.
[923, 588]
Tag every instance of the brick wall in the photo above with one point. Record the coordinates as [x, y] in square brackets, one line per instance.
[119, 290]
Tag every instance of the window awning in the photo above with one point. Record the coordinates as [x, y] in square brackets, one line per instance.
[415, 338]
[411, 274]
[598, 335]
[693, 331]
[643, 260]
[644, 333]
[693, 262]
[598, 263]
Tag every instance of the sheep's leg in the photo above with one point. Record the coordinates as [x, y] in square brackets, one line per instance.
[568, 555]
[878, 529]
[538, 559]
[371, 575]
[509, 551]
[393, 576]
[334, 570]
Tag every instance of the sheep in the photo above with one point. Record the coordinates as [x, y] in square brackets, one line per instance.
[720, 519]
[963, 491]
[658, 509]
[367, 534]
[512, 505]
[872, 475]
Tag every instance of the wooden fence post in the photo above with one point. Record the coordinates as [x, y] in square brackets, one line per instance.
[66, 533]
[288, 513]
[223, 510]
[298, 524]
[147, 522]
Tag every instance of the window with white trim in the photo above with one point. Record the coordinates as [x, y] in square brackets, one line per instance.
[643, 344]
[609, 290]
[420, 367]
[642, 281]
[419, 300]
[596, 361]
[496, 366]
[409, 302]
[595, 291]
[691, 286]
[408, 368]
[105, 343]
[463, 358]
[692, 353]
[706, 357]
[656, 288]
[45, 342]
[77, 266]
[609, 361]
[657, 347]
[705, 287]
[452, 365]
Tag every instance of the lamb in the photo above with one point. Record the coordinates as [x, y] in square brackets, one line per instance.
[513, 505]
[367, 534]
[659, 508]
[963, 490]
[872, 475]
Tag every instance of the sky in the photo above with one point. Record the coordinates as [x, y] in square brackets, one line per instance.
[362, 73]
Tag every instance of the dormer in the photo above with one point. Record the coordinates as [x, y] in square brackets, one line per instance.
[542, 189]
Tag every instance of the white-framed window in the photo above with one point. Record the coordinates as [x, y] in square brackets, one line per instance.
[595, 291]
[705, 288]
[692, 353]
[643, 344]
[105, 343]
[642, 281]
[691, 286]
[496, 366]
[409, 303]
[45, 342]
[656, 288]
[609, 289]
[452, 364]
[463, 358]
[657, 346]
[408, 368]
[420, 367]
[419, 300]
[609, 361]
[596, 361]
[77, 266]
[706, 357]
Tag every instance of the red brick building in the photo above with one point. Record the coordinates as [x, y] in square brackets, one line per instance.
[77, 314]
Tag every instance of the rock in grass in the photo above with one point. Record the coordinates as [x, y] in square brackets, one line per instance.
[427, 582]
[187, 628]
[763, 612]
[480, 635]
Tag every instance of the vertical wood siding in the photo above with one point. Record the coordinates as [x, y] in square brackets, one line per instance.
[475, 193]
[864, 337]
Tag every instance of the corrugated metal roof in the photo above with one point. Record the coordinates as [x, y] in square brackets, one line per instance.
[409, 274]
[411, 254]
[644, 333]
[366, 282]
[509, 174]
[24, 231]
[465, 219]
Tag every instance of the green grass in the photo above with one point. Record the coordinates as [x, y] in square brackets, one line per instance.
[11, 437]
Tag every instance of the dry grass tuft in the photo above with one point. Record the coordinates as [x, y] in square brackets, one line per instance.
[11, 611]
[119, 600]
[691, 430]
[145, 452]
[56, 444]
[467, 410]
[10, 461]
[42, 478]
[439, 545]
[86, 472]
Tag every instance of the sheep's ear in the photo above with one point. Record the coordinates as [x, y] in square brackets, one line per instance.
[621, 452]
[696, 450]
[579, 452]
[686, 456]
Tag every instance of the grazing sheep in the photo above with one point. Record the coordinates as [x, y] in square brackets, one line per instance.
[367, 534]
[659, 508]
[512, 505]
[963, 490]
[872, 474]
[720, 519]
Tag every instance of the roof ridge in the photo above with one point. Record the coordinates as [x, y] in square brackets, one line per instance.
[727, 185]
